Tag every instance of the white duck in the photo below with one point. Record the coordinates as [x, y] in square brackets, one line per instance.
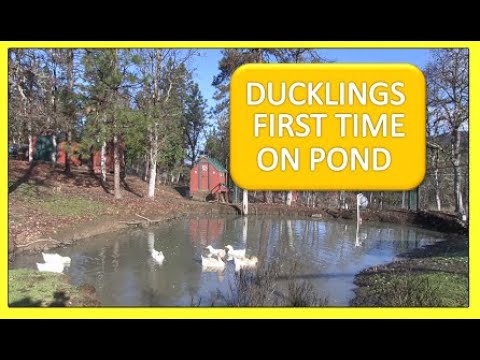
[215, 252]
[56, 267]
[158, 256]
[212, 263]
[239, 253]
[245, 263]
[55, 258]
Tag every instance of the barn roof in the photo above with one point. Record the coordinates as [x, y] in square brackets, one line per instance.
[213, 162]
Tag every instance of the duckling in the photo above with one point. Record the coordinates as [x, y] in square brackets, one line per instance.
[54, 258]
[211, 262]
[158, 256]
[214, 251]
[56, 267]
[240, 253]
[245, 263]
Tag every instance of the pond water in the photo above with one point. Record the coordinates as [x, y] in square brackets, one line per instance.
[328, 254]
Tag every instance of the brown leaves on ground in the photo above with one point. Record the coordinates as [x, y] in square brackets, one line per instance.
[44, 200]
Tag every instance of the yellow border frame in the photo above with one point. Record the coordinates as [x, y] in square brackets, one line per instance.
[473, 311]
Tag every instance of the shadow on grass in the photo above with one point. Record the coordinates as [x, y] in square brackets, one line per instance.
[129, 189]
[60, 299]
[23, 179]
[183, 190]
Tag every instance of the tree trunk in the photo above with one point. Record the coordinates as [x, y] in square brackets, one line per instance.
[381, 201]
[245, 202]
[71, 120]
[116, 170]
[436, 181]
[269, 197]
[359, 221]
[30, 141]
[457, 174]
[153, 164]
[68, 146]
[53, 155]
[103, 161]
[147, 167]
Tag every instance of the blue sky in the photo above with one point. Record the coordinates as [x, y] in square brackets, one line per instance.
[206, 66]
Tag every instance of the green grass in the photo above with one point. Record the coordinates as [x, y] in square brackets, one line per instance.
[29, 288]
[434, 276]
[25, 190]
[420, 290]
[59, 205]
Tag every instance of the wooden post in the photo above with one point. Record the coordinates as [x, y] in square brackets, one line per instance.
[245, 203]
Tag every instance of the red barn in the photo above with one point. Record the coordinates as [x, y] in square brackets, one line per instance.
[74, 158]
[208, 178]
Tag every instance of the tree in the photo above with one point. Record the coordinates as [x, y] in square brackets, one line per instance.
[163, 77]
[447, 81]
[109, 78]
[193, 120]
[27, 94]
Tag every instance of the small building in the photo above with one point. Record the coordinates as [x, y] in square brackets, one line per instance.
[75, 158]
[208, 179]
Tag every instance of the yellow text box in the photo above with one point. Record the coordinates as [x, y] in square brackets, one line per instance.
[328, 126]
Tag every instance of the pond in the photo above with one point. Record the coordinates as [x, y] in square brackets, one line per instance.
[326, 254]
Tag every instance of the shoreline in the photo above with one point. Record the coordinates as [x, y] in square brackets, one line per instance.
[107, 224]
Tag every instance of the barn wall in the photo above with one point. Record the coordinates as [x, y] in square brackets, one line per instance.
[208, 184]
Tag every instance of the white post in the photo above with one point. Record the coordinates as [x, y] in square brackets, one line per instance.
[245, 202]
[289, 198]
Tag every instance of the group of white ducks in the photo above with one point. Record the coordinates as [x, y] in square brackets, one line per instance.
[53, 263]
[214, 260]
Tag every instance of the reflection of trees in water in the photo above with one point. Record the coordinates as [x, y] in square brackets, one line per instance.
[266, 226]
[101, 273]
[115, 256]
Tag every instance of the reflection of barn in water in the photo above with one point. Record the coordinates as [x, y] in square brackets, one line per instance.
[206, 231]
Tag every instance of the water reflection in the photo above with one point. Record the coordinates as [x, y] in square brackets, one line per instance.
[327, 253]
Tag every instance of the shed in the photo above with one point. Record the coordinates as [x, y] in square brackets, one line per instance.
[73, 153]
[208, 177]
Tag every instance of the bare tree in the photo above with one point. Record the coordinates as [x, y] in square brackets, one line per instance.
[447, 81]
